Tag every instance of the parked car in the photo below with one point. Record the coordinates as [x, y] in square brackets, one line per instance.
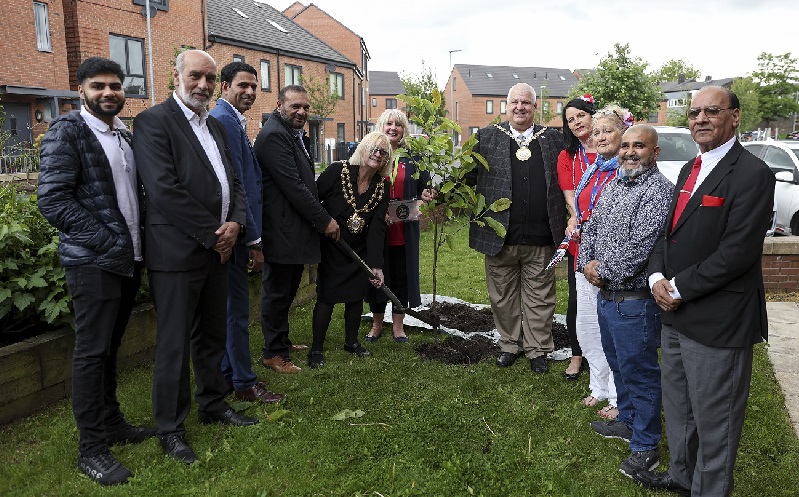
[783, 159]
[793, 135]
[677, 147]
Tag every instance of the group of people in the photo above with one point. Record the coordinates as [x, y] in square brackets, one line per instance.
[652, 265]
[191, 199]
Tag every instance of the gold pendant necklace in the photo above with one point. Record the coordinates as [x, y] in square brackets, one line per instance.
[523, 153]
[355, 223]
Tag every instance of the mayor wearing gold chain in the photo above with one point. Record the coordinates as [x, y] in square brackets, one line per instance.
[355, 194]
[522, 159]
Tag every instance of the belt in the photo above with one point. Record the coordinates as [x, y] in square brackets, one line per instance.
[622, 295]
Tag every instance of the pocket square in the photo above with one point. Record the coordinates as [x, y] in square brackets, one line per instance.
[711, 201]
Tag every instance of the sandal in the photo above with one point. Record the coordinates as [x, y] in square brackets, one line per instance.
[608, 412]
[372, 336]
[589, 401]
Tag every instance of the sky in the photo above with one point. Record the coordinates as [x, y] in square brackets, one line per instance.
[721, 38]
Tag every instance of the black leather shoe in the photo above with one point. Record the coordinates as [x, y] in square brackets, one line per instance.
[506, 359]
[357, 349]
[129, 434]
[176, 447]
[539, 364]
[316, 359]
[660, 480]
[229, 417]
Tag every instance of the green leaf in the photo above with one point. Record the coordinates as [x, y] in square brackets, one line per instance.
[500, 205]
[347, 413]
[276, 415]
[23, 300]
[499, 229]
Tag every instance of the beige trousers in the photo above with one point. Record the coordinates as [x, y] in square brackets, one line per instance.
[522, 298]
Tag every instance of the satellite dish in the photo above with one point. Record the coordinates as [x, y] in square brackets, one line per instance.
[330, 68]
[153, 11]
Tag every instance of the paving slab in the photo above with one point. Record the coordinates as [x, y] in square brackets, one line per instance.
[783, 351]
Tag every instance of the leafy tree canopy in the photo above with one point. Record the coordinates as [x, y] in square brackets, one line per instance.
[621, 78]
[778, 80]
[671, 71]
[322, 97]
[747, 91]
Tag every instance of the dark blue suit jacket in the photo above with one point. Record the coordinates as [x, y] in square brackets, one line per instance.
[245, 165]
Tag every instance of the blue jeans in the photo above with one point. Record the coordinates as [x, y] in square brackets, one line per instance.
[630, 332]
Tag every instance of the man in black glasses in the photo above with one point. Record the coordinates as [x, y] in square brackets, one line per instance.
[87, 190]
[293, 218]
[705, 274]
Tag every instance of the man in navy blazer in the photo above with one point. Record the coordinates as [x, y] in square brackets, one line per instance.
[194, 211]
[705, 273]
[239, 85]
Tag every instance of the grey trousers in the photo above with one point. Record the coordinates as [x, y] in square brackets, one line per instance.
[705, 390]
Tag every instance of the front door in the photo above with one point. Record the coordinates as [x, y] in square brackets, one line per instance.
[16, 125]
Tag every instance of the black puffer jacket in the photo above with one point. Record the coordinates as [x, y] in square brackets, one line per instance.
[78, 197]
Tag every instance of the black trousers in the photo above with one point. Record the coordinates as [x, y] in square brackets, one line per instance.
[102, 303]
[191, 307]
[279, 287]
[571, 310]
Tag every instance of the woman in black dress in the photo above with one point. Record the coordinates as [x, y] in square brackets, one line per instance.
[355, 194]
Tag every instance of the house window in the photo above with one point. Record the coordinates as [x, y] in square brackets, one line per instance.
[489, 106]
[337, 84]
[293, 75]
[559, 107]
[454, 86]
[340, 132]
[503, 106]
[238, 58]
[129, 53]
[265, 76]
[473, 130]
[652, 117]
[158, 4]
[42, 27]
[374, 101]
[391, 103]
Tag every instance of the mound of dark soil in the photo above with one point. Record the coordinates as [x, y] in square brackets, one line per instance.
[457, 350]
[462, 317]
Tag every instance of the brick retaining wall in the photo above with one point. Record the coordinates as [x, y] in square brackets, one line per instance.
[781, 264]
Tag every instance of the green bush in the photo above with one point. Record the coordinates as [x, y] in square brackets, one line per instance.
[32, 285]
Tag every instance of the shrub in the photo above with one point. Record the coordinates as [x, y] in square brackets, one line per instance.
[32, 284]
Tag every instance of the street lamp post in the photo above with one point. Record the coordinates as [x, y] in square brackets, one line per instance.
[451, 84]
[542, 104]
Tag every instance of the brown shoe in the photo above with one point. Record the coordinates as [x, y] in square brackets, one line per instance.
[258, 392]
[298, 348]
[280, 364]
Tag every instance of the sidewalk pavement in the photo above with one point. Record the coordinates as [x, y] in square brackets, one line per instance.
[783, 351]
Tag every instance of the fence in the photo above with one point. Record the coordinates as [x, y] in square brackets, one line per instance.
[16, 161]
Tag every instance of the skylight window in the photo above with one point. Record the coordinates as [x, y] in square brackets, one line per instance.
[562, 77]
[242, 14]
[489, 75]
[515, 76]
[277, 26]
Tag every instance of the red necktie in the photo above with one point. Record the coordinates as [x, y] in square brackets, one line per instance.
[685, 192]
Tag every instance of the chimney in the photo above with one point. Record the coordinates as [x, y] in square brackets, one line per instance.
[681, 78]
[708, 78]
[546, 75]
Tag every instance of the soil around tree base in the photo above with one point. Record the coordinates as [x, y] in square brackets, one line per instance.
[467, 319]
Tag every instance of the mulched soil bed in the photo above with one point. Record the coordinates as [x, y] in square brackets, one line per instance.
[465, 318]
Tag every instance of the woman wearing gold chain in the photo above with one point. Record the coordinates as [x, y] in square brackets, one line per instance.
[355, 194]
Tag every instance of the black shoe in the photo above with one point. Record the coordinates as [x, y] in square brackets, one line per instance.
[129, 434]
[539, 364]
[229, 417]
[660, 481]
[316, 359]
[104, 469]
[646, 460]
[506, 359]
[612, 429]
[357, 349]
[176, 447]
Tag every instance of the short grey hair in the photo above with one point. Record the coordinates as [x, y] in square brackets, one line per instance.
[613, 113]
[527, 87]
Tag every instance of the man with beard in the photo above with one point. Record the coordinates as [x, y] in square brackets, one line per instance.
[87, 190]
[194, 212]
[239, 88]
[293, 218]
[614, 251]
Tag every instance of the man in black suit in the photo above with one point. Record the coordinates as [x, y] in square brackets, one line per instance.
[705, 273]
[194, 208]
[523, 159]
[293, 218]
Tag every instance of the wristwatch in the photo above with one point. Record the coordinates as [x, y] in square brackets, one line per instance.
[256, 246]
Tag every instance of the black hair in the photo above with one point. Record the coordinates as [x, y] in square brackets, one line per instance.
[93, 66]
[281, 95]
[571, 142]
[229, 71]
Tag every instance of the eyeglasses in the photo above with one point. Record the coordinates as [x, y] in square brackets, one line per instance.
[377, 152]
[711, 111]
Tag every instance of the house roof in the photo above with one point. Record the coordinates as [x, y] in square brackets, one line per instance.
[306, 7]
[692, 85]
[497, 80]
[385, 83]
[259, 26]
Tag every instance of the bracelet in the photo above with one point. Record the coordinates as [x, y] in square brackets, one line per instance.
[256, 246]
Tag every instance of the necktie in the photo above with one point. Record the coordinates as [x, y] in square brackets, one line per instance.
[685, 192]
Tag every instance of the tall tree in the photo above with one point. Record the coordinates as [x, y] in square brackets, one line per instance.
[323, 98]
[777, 77]
[422, 86]
[747, 91]
[621, 78]
[671, 71]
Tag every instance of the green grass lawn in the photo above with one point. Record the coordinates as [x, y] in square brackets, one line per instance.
[427, 429]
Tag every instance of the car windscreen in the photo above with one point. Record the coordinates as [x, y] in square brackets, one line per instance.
[676, 147]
